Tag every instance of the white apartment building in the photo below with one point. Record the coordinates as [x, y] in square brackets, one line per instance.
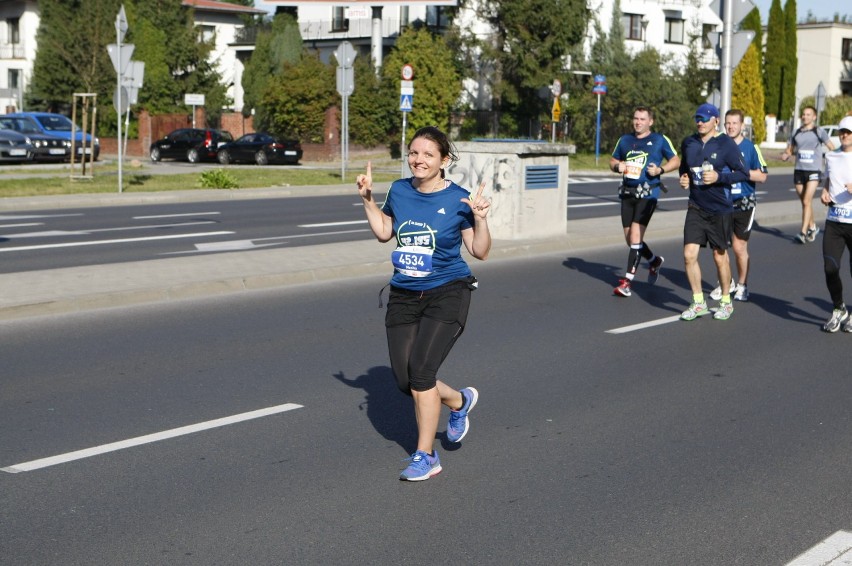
[19, 21]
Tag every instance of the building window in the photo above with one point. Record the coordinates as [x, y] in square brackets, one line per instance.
[846, 53]
[339, 21]
[674, 31]
[632, 26]
[206, 34]
[14, 79]
[706, 30]
[13, 26]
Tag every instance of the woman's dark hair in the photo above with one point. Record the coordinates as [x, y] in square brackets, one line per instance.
[440, 139]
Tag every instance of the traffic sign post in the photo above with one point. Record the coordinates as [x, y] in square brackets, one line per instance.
[733, 45]
[819, 99]
[345, 55]
[598, 89]
[406, 104]
[555, 110]
[120, 56]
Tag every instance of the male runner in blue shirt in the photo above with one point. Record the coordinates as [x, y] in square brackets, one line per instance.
[710, 163]
[639, 158]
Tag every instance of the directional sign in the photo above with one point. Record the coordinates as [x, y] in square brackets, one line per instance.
[126, 53]
[121, 23]
[599, 89]
[406, 101]
[741, 9]
[193, 99]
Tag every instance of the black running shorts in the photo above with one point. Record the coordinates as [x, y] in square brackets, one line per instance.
[706, 228]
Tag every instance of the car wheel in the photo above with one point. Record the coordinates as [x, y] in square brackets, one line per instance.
[192, 155]
[223, 157]
[155, 154]
[260, 158]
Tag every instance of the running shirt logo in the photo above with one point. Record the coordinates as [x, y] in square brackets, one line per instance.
[415, 246]
[442, 211]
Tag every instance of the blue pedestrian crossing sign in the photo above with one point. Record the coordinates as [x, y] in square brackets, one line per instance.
[406, 101]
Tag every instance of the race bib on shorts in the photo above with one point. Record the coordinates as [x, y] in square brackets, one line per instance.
[414, 261]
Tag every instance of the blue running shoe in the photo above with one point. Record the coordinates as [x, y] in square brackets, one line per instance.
[459, 425]
[422, 467]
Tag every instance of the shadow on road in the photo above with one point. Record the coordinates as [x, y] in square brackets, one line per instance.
[786, 310]
[390, 411]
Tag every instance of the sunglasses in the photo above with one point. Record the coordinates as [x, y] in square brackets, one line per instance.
[844, 132]
[703, 119]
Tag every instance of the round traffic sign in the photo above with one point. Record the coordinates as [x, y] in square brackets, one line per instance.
[556, 87]
[407, 72]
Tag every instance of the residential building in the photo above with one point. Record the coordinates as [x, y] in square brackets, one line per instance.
[19, 21]
[825, 55]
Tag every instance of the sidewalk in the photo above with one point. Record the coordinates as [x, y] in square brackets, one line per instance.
[76, 289]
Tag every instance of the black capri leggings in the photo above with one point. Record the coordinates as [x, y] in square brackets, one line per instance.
[421, 330]
[836, 238]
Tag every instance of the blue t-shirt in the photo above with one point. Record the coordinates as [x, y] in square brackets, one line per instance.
[722, 153]
[428, 230]
[753, 159]
[638, 153]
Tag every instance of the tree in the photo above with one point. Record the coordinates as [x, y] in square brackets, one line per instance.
[791, 61]
[167, 31]
[438, 85]
[747, 91]
[373, 111]
[297, 99]
[72, 56]
[531, 41]
[776, 54]
[752, 22]
[276, 46]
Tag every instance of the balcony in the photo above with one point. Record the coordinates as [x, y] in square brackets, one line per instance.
[12, 51]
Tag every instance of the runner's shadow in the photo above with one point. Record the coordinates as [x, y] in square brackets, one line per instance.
[786, 310]
[387, 408]
[773, 232]
[600, 271]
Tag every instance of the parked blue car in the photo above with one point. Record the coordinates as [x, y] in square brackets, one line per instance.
[60, 126]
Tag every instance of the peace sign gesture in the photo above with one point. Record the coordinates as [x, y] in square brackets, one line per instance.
[479, 205]
[364, 182]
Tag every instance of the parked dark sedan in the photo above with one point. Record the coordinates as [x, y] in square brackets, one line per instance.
[191, 144]
[14, 147]
[45, 147]
[260, 148]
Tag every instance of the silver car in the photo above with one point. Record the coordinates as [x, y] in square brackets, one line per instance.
[14, 147]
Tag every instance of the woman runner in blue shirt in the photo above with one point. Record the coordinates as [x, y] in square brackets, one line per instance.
[431, 217]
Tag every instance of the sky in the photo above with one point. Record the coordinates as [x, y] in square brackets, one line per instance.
[822, 9]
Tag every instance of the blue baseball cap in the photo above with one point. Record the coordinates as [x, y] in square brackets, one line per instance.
[707, 111]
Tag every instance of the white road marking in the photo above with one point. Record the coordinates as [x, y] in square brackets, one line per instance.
[644, 325]
[36, 216]
[836, 550]
[328, 224]
[242, 245]
[95, 230]
[147, 439]
[21, 225]
[118, 241]
[175, 215]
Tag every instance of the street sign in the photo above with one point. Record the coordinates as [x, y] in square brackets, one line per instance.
[556, 111]
[739, 45]
[741, 9]
[132, 80]
[407, 72]
[121, 24]
[820, 95]
[345, 54]
[120, 100]
[345, 81]
[193, 99]
[126, 53]
[600, 80]
[599, 89]
[406, 102]
[556, 87]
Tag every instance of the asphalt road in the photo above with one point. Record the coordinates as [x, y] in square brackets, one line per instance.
[606, 432]
[57, 237]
